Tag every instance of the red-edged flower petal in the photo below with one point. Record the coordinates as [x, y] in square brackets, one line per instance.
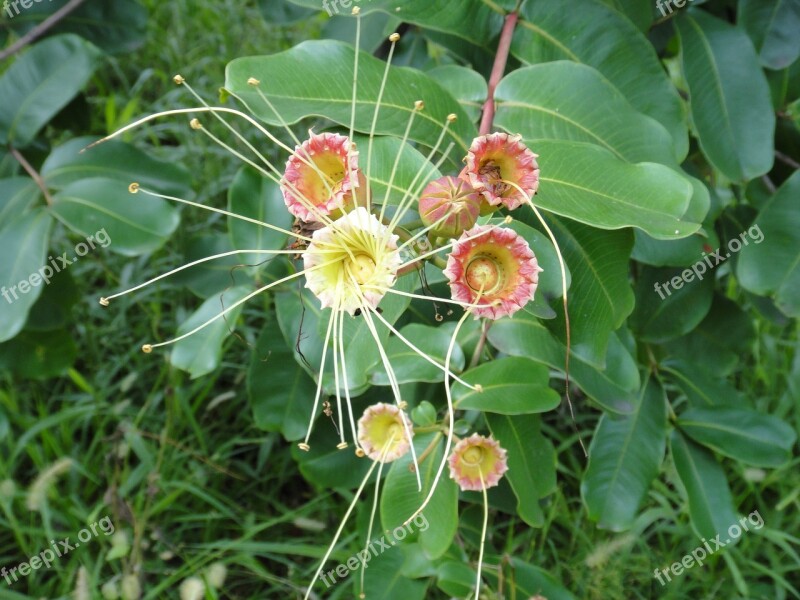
[474, 458]
[453, 200]
[381, 432]
[494, 160]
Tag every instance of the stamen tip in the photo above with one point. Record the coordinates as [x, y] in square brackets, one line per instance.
[394, 38]
[478, 388]
[341, 445]
[304, 447]
[147, 348]
[178, 79]
[452, 118]
[195, 124]
[356, 11]
[508, 219]
[103, 301]
[253, 81]
[360, 453]
[133, 188]
[419, 105]
[402, 405]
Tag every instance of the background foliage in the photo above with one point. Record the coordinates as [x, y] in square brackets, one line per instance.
[661, 138]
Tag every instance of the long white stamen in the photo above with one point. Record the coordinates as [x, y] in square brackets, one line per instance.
[304, 445]
[346, 384]
[450, 416]
[367, 314]
[192, 264]
[134, 188]
[336, 348]
[357, 14]
[425, 231]
[236, 304]
[393, 39]
[453, 243]
[418, 106]
[483, 534]
[431, 360]
[340, 529]
[464, 305]
[386, 447]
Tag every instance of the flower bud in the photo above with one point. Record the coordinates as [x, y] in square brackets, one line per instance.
[451, 202]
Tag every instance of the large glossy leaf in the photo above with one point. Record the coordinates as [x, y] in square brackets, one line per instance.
[703, 389]
[466, 85]
[114, 160]
[40, 83]
[614, 387]
[589, 32]
[17, 194]
[730, 101]
[316, 78]
[136, 223]
[474, 20]
[624, 457]
[511, 386]
[670, 302]
[531, 462]
[253, 196]
[540, 103]
[584, 182]
[201, 352]
[640, 12]
[24, 242]
[772, 267]
[600, 296]
[710, 503]
[113, 25]
[384, 579]
[408, 365]
[773, 27]
[281, 393]
[746, 435]
[400, 498]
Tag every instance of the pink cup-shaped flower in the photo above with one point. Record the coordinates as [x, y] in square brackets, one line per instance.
[477, 462]
[382, 434]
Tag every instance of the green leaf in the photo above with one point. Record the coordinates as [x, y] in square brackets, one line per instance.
[600, 296]
[701, 387]
[39, 354]
[40, 83]
[511, 386]
[624, 457]
[673, 253]
[114, 25]
[316, 78]
[53, 309]
[613, 387]
[409, 366]
[772, 265]
[325, 465]
[215, 276]
[773, 26]
[640, 12]
[582, 181]
[722, 338]
[466, 85]
[530, 581]
[136, 224]
[455, 579]
[540, 103]
[474, 20]
[283, 11]
[670, 303]
[201, 352]
[588, 32]
[730, 101]
[531, 462]
[256, 197]
[710, 503]
[400, 497]
[24, 241]
[384, 579]
[745, 435]
[17, 195]
[280, 391]
[114, 160]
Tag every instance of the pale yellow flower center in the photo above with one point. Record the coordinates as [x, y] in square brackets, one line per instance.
[484, 275]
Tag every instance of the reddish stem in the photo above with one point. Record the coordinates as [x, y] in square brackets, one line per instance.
[499, 68]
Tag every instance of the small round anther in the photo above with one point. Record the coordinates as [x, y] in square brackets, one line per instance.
[253, 81]
[133, 188]
[360, 453]
[195, 124]
[402, 405]
[178, 79]
[452, 118]
[147, 348]
[394, 38]
[341, 445]
[103, 301]
[304, 447]
[478, 388]
[356, 11]
[419, 105]
[508, 219]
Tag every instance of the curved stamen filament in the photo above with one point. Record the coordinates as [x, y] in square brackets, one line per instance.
[431, 360]
[192, 264]
[357, 14]
[424, 231]
[236, 304]
[304, 445]
[483, 534]
[453, 243]
[336, 349]
[417, 107]
[393, 39]
[340, 529]
[346, 384]
[365, 552]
